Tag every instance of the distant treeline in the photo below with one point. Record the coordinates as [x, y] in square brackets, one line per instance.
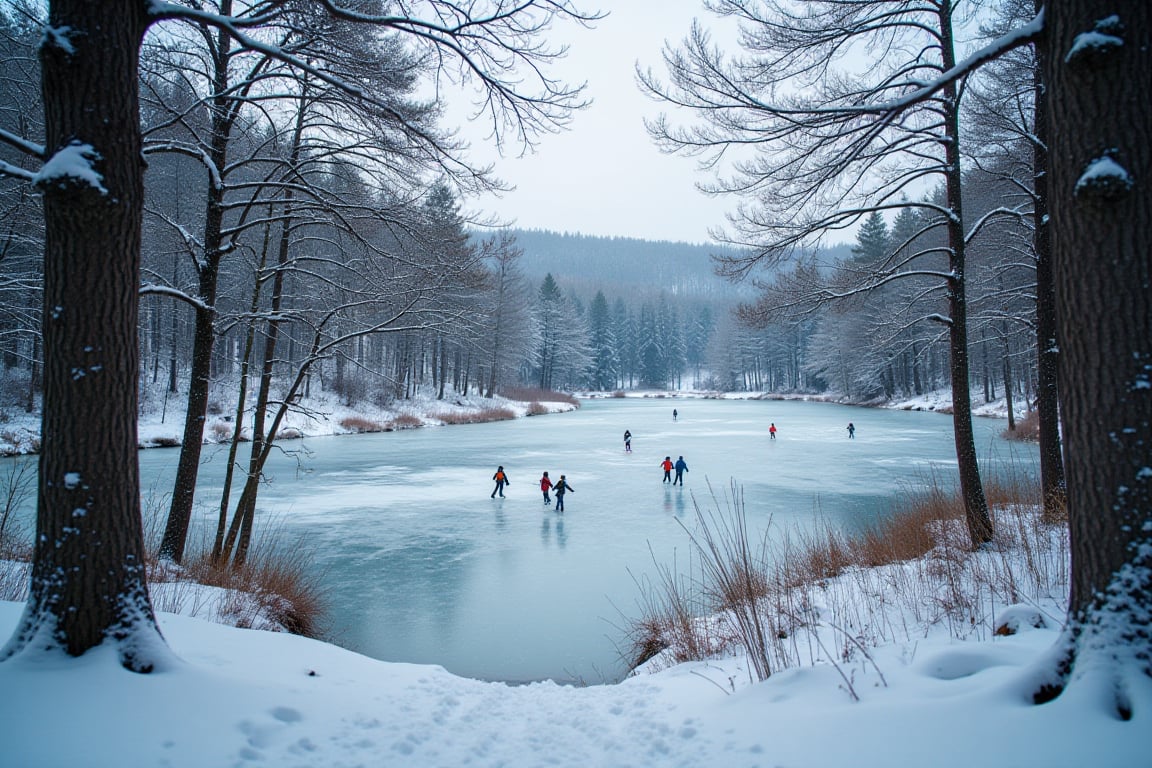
[588, 263]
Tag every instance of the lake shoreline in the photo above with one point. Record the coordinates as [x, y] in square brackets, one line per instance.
[326, 416]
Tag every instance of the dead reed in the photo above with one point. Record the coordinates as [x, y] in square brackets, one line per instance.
[361, 425]
[476, 417]
[528, 395]
[1027, 429]
[819, 594]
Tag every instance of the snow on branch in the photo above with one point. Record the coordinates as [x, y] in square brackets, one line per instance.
[1104, 178]
[71, 166]
[1013, 39]
[151, 289]
[22, 144]
[7, 169]
[491, 46]
[1101, 40]
[1023, 35]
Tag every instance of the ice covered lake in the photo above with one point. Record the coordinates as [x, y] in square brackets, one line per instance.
[422, 566]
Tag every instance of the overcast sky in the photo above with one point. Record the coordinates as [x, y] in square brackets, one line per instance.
[604, 176]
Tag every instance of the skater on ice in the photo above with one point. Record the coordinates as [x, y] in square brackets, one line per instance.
[560, 488]
[666, 465]
[545, 486]
[681, 468]
[501, 481]
[627, 441]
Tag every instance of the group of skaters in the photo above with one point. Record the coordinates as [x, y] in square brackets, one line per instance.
[851, 430]
[559, 488]
[680, 466]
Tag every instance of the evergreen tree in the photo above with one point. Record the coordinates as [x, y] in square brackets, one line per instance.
[549, 314]
[649, 354]
[872, 239]
[624, 327]
[696, 338]
[604, 363]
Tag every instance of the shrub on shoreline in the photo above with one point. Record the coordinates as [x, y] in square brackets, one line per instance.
[528, 395]
[822, 594]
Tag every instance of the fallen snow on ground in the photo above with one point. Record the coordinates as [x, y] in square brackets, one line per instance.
[239, 697]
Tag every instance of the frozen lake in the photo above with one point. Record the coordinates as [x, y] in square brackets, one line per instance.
[424, 567]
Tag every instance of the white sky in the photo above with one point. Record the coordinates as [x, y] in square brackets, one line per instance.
[604, 176]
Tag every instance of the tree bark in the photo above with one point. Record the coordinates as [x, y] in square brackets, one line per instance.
[1047, 349]
[975, 504]
[204, 335]
[1101, 241]
[88, 580]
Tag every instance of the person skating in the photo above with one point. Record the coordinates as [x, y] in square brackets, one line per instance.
[627, 441]
[545, 485]
[674, 414]
[772, 431]
[501, 481]
[851, 430]
[681, 468]
[560, 488]
[666, 465]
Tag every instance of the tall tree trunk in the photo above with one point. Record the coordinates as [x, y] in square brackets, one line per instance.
[88, 580]
[204, 336]
[975, 504]
[1100, 131]
[1047, 349]
[1008, 385]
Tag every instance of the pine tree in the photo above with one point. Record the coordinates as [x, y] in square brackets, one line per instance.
[604, 363]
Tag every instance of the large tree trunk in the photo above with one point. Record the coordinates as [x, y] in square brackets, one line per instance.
[204, 336]
[1047, 349]
[88, 580]
[971, 489]
[1101, 240]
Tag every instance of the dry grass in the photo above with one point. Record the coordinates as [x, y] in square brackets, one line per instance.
[819, 594]
[278, 589]
[276, 584]
[536, 409]
[221, 431]
[361, 425]
[618, 393]
[528, 395]
[477, 417]
[1027, 429]
[404, 421]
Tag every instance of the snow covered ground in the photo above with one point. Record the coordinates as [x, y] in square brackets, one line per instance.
[236, 697]
[315, 416]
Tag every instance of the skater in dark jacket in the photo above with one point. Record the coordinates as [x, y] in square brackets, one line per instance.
[501, 481]
[628, 441]
[681, 468]
[560, 488]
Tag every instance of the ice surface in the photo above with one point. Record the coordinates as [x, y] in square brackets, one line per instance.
[423, 566]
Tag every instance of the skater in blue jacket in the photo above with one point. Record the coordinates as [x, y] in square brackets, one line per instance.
[559, 489]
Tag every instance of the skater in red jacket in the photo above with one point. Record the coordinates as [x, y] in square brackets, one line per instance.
[545, 486]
